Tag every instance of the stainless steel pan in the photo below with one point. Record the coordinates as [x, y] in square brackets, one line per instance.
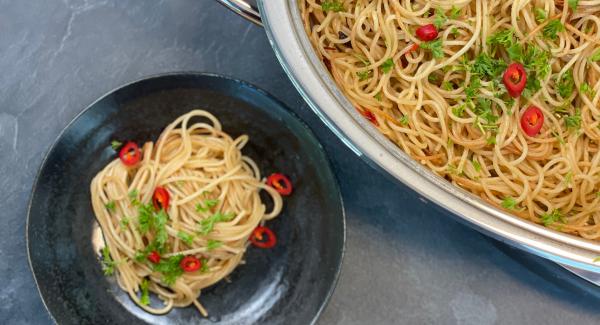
[282, 22]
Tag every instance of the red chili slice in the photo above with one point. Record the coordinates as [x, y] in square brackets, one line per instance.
[160, 199]
[369, 116]
[154, 257]
[515, 79]
[190, 264]
[263, 237]
[427, 33]
[130, 154]
[532, 121]
[280, 183]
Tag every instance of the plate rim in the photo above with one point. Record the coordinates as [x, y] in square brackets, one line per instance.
[338, 268]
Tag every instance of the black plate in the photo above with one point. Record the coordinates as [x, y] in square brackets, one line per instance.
[289, 284]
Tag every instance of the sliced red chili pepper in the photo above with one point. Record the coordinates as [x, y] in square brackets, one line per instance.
[160, 198]
[154, 257]
[369, 116]
[130, 154]
[515, 79]
[280, 183]
[263, 237]
[532, 121]
[190, 264]
[427, 33]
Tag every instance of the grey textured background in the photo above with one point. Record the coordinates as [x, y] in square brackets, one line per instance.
[405, 262]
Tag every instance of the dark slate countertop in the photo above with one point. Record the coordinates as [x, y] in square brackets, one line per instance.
[405, 261]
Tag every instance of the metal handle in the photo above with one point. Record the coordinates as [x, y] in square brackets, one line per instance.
[244, 8]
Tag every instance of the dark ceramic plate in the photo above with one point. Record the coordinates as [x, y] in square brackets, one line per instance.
[289, 284]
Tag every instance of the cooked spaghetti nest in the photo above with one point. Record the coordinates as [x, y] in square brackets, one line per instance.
[214, 207]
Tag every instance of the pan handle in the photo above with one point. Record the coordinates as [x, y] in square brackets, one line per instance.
[244, 8]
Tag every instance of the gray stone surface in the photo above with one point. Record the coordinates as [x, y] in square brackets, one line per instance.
[405, 263]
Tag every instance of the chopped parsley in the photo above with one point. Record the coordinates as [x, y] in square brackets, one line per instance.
[587, 90]
[108, 265]
[435, 47]
[573, 4]
[565, 84]
[595, 56]
[207, 225]
[145, 298]
[387, 65]
[116, 145]
[509, 203]
[149, 220]
[476, 165]
[404, 120]
[491, 140]
[204, 268]
[110, 206]
[447, 85]
[454, 31]
[503, 37]
[333, 5]
[472, 89]
[552, 217]
[123, 223]
[364, 75]
[573, 121]
[206, 205]
[170, 269]
[552, 29]
[458, 110]
[540, 15]
[568, 178]
[212, 244]
[187, 238]
[487, 67]
[440, 18]
[378, 96]
[454, 12]
[132, 194]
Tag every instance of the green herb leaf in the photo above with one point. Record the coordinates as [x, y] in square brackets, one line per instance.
[123, 223]
[207, 225]
[160, 222]
[116, 145]
[387, 65]
[476, 165]
[568, 178]
[491, 140]
[333, 5]
[565, 84]
[573, 4]
[145, 298]
[509, 203]
[170, 269]
[404, 120]
[552, 29]
[133, 194]
[447, 85]
[459, 110]
[212, 244]
[596, 56]
[435, 47]
[187, 238]
[487, 67]
[145, 217]
[378, 96]
[552, 217]
[440, 18]
[204, 268]
[503, 37]
[454, 12]
[454, 31]
[573, 121]
[540, 15]
[364, 75]
[206, 205]
[110, 206]
[108, 265]
[587, 90]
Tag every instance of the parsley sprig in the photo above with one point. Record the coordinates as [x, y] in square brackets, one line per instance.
[108, 265]
[207, 225]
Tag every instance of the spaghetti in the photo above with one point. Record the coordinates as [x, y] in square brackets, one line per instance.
[499, 97]
[196, 198]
